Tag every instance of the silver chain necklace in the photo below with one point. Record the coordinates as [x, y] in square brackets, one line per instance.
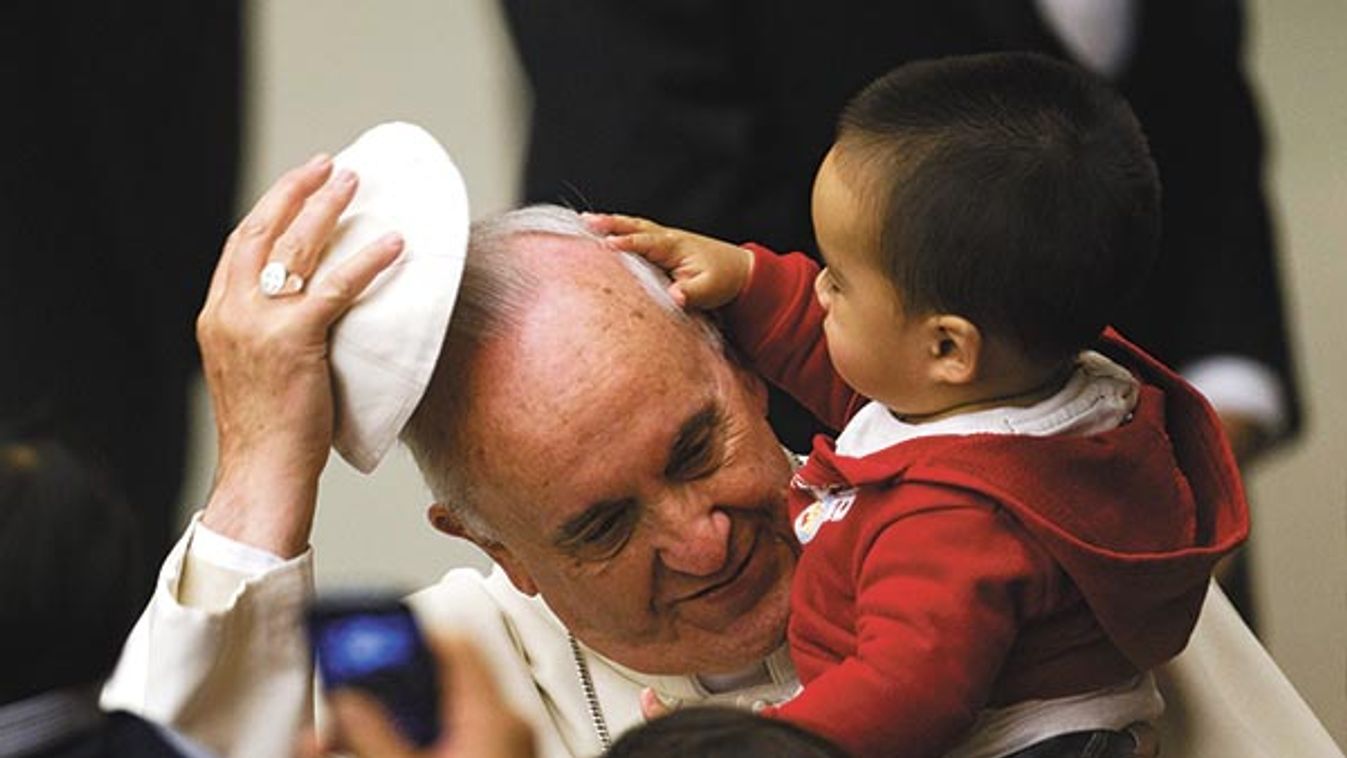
[591, 695]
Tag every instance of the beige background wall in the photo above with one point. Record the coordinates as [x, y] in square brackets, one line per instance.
[323, 71]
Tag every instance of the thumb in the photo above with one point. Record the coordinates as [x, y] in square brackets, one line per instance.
[654, 707]
[365, 726]
[680, 297]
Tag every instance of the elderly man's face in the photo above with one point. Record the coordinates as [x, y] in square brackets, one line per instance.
[640, 489]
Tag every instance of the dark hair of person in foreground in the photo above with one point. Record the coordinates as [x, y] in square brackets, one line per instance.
[69, 566]
[711, 732]
[70, 572]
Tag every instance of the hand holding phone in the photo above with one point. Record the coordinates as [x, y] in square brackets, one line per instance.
[372, 643]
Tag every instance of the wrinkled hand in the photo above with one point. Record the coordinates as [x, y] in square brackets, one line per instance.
[266, 358]
[477, 722]
[707, 273]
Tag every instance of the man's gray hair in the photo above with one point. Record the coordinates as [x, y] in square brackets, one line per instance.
[498, 284]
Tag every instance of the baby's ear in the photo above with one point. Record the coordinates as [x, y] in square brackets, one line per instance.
[955, 349]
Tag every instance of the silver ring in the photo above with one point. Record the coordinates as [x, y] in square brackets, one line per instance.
[276, 281]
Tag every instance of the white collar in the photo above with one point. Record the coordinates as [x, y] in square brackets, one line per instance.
[1097, 397]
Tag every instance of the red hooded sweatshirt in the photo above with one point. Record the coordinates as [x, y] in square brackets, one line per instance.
[955, 573]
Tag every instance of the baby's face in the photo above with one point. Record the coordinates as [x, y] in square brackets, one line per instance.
[875, 346]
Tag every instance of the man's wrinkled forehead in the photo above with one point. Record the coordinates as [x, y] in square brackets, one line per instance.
[586, 286]
[591, 346]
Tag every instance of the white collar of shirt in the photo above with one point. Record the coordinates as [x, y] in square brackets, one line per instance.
[1097, 397]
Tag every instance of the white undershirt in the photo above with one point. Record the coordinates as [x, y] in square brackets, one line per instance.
[1097, 397]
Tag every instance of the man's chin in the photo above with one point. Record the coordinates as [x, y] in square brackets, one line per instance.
[701, 652]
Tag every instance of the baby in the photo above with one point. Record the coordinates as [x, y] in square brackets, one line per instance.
[1020, 515]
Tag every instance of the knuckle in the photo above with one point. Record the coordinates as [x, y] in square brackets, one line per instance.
[292, 178]
[341, 186]
[291, 188]
[205, 327]
[250, 228]
[289, 248]
[336, 289]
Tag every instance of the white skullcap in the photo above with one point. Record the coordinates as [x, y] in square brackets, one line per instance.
[384, 349]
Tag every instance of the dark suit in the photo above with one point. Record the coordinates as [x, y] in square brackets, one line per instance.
[120, 735]
[713, 115]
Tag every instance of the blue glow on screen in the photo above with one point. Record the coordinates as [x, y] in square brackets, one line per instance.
[360, 645]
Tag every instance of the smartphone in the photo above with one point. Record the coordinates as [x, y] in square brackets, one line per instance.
[372, 643]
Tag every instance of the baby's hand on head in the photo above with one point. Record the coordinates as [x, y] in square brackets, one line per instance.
[707, 273]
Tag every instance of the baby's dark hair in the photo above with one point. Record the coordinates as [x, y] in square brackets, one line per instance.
[719, 732]
[1012, 189]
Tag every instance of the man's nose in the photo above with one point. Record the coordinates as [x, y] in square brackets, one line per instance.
[694, 538]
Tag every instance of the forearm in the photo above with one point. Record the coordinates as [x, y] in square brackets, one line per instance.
[282, 525]
[777, 323]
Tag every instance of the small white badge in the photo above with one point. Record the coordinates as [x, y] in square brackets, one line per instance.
[829, 505]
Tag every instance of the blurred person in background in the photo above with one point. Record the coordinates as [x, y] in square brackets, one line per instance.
[123, 133]
[712, 114]
[69, 547]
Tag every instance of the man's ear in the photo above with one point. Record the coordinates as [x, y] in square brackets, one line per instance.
[955, 347]
[446, 520]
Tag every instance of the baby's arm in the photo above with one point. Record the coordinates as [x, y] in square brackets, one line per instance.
[773, 316]
[707, 273]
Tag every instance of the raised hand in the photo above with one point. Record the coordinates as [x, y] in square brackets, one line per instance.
[264, 347]
[707, 272]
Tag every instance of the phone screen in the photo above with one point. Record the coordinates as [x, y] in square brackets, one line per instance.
[374, 644]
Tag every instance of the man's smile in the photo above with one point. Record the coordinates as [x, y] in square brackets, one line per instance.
[733, 594]
[726, 578]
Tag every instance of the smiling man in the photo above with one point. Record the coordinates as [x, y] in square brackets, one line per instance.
[633, 482]
[595, 441]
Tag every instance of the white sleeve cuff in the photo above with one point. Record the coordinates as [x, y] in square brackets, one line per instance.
[218, 550]
[1236, 384]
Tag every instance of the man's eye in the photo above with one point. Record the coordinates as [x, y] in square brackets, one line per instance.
[700, 462]
[604, 536]
[697, 453]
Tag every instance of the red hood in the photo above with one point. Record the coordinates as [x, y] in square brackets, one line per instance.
[1165, 501]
